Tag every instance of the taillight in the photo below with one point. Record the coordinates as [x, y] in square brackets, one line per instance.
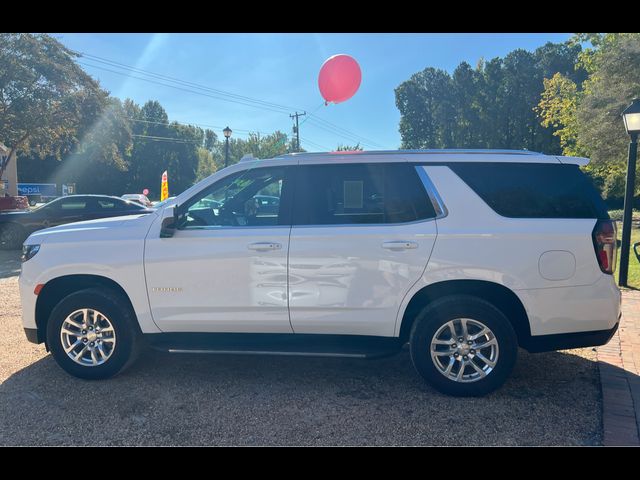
[604, 241]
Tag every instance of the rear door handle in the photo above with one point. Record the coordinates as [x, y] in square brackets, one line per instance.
[400, 245]
[263, 246]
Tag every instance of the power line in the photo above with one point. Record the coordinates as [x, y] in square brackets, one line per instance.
[178, 88]
[184, 82]
[329, 127]
[186, 124]
[177, 140]
[207, 95]
[239, 99]
[314, 118]
[346, 137]
[321, 147]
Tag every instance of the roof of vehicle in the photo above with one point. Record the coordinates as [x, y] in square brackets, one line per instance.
[90, 195]
[95, 195]
[437, 156]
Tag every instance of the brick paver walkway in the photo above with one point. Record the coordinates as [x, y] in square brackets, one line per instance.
[619, 363]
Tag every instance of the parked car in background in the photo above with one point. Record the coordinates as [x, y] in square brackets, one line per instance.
[14, 203]
[159, 203]
[16, 226]
[138, 198]
[36, 199]
[267, 204]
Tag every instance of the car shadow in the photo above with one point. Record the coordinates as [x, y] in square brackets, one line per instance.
[10, 263]
[164, 399]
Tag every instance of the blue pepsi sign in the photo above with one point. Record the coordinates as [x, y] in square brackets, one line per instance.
[44, 189]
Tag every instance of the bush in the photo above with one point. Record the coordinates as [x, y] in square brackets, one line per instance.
[617, 214]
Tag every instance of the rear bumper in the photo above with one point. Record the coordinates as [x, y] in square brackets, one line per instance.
[568, 310]
[562, 341]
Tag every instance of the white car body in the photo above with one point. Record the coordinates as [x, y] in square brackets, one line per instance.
[335, 279]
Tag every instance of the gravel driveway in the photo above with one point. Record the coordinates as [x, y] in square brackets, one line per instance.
[551, 399]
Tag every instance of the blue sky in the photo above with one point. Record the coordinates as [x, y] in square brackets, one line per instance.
[283, 69]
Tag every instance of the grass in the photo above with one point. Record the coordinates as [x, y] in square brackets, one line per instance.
[633, 278]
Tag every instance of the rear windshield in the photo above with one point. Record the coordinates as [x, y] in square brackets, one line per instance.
[534, 190]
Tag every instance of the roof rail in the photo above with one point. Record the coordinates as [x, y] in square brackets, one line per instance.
[445, 151]
[248, 158]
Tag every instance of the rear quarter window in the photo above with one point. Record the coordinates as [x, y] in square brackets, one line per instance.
[533, 190]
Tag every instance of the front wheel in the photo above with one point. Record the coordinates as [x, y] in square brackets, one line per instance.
[463, 346]
[92, 335]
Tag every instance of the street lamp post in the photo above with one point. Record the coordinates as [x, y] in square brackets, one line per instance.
[631, 116]
[227, 133]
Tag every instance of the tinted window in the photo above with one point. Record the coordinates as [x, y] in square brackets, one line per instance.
[359, 193]
[115, 204]
[248, 198]
[533, 190]
[106, 205]
[73, 204]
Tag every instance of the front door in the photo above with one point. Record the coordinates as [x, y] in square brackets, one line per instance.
[362, 235]
[225, 269]
[66, 210]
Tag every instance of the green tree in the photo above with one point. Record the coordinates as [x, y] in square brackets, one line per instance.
[587, 114]
[349, 148]
[490, 106]
[159, 145]
[44, 95]
[97, 161]
[206, 163]
[210, 140]
[557, 109]
[256, 144]
[426, 110]
[100, 161]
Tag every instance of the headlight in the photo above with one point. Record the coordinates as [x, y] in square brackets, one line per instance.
[28, 251]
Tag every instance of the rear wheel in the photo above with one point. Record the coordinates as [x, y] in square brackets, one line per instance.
[92, 334]
[463, 346]
[11, 236]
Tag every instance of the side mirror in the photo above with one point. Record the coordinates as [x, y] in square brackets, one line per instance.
[169, 222]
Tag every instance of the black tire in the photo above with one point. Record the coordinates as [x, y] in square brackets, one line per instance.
[445, 309]
[12, 236]
[124, 323]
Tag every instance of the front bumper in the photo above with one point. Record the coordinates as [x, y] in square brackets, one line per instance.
[28, 299]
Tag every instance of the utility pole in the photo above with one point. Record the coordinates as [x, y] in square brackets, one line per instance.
[296, 129]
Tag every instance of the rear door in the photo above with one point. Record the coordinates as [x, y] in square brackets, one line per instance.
[362, 235]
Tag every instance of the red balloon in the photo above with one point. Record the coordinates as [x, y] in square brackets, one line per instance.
[339, 78]
[145, 191]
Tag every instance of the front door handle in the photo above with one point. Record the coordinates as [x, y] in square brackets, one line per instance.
[263, 246]
[400, 245]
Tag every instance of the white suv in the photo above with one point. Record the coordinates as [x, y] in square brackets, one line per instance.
[465, 255]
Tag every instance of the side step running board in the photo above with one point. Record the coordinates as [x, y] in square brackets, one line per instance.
[280, 344]
[276, 353]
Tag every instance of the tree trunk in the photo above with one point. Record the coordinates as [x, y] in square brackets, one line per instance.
[3, 167]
